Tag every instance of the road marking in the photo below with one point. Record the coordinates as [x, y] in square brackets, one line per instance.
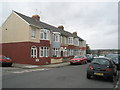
[25, 71]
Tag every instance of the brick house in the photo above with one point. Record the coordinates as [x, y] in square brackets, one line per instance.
[28, 40]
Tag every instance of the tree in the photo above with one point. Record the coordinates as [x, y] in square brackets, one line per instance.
[88, 50]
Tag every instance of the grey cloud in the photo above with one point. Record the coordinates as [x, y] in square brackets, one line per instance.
[95, 22]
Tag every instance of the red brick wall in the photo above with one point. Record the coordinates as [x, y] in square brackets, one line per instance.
[71, 47]
[21, 52]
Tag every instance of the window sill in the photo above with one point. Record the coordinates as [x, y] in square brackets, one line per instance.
[33, 38]
[44, 39]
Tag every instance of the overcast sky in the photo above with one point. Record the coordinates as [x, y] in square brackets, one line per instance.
[95, 22]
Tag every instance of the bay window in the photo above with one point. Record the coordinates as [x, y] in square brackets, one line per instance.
[44, 52]
[44, 34]
[70, 40]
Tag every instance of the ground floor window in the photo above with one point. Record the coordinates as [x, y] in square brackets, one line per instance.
[70, 52]
[76, 52]
[56, 52]
[34, 52]
[44, 52]
[65, 53]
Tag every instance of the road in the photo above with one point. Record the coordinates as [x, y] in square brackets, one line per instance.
[71, 76]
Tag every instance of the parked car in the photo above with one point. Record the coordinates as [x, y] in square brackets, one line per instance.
[5, 61]
[95, 55]
[115, 58]
[78, 60]
[102, 67]
[89, 57]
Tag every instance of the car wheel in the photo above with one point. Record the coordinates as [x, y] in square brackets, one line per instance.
[82, 63]
[10, 65]
[88, 76]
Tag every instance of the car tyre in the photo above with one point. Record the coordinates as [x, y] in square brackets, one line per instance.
[88, 76]
[10, 65]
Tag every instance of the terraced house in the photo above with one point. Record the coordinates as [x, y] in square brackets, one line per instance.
[28, 40]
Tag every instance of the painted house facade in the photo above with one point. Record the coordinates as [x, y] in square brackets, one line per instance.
[28, 40]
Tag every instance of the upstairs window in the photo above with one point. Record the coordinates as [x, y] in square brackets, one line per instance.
[34, 52]
[76, 41]
[61, 40]
[33, 33]
[65, 40]
[44, 34]
[70, 40]
[56, 37]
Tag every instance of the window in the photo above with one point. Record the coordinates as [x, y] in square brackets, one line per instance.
[33, 33]
[70, 40]
[56, 52]
[61, 39]
[44, 51]
[65, 52]
[34, 52]
[44, 34]
[76, 41]
[56, 37]
[65, 40]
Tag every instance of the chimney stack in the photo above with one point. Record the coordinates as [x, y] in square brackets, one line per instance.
[36, 17]
[75, 33]
[61, 27]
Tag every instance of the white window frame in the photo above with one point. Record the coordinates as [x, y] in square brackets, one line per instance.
[70, 40]
[65, 52]
[45, 51]
[56, 52]
[34, 52]
[44, 31]
[61, 39]
[33, 33]
[65, 40]
[76, 42]
[56, 37]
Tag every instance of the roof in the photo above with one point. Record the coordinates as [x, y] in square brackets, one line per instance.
[101, 58]
[41, 24]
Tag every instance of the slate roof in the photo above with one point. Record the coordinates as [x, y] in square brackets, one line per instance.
[41, 24]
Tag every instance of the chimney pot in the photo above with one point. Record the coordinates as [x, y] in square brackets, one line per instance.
[36, 17]
[75, 33]
[61, 27]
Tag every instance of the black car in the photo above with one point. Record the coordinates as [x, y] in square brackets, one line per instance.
[115, 58]
[102, 67]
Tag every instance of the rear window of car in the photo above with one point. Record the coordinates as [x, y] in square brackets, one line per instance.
[101, 61]
[78, 57]
[112, 56]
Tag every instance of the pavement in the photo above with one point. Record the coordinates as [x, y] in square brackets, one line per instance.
[27, 66]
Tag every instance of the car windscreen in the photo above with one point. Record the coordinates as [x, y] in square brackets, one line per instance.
[4, 57]
[101, 61]
[78, 57]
